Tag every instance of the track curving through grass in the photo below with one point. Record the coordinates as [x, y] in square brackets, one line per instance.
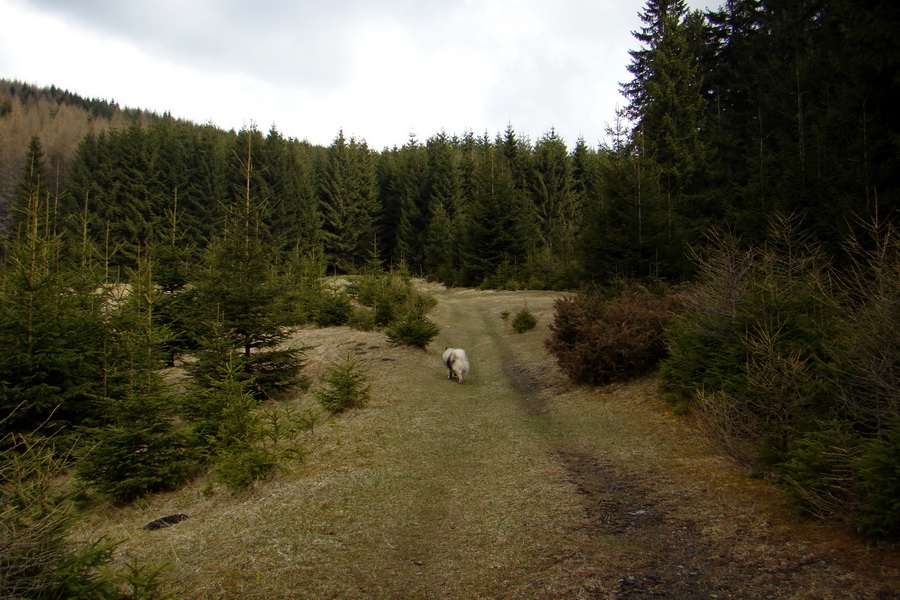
[515, 484]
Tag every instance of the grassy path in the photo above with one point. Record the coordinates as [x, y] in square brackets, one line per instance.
[467, 500]
[515, 484]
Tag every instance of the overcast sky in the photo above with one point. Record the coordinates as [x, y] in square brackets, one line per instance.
[379, 70]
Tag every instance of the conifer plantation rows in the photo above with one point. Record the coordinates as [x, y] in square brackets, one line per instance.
[133, 239]
[731, 117]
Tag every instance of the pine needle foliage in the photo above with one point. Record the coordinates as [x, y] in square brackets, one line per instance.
[240, 286]
[137, 448]
[524, 321]
[49, 326]
[37, 558]
[227, 427]
[794, 365]
[412, 330]
[345, 386]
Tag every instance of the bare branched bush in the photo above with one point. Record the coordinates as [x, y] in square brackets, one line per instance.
[723, 418]
[822, 471]
[720, 289]
[795, 366]
[868, 349]
[779, 384]
[32, 527]
[756, 329]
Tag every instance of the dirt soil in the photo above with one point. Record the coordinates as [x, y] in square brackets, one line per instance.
[516, 484]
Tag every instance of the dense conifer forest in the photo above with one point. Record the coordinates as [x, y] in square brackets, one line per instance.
[731, 117]
[755, 165]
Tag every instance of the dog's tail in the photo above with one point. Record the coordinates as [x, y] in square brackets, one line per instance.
[449, 357]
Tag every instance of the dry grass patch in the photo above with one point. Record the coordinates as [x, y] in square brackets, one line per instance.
[435, 488]
[516, 484]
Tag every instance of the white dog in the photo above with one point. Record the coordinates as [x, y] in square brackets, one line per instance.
[457, 363]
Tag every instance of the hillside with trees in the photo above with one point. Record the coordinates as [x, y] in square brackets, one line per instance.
[732, 117]
[752, 180]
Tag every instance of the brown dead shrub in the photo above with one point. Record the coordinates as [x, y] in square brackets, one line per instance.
[597, 339]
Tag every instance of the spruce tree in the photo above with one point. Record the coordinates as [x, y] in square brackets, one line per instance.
[116, 186]
[137, 448]
[414, 210]
[288, 171]
[497, 224]
[49, 321]
[33, 183]
[132, 211]
[387, 175]
[193, 171]
[667, 104]
[444, 201]
[613, 243]
[556, 207]
[239, 285]
[173, 259]
[349, 204]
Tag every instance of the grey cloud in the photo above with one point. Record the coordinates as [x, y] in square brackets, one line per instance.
[525, 62]
[280, 42]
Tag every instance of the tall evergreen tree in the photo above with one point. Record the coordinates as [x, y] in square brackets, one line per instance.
[389, 191]
[556, 207]
[586, 181]
[193, 172]
[132, 214]
[674, 120]
[115, 193]
[294, 217]
[49, 323]
[33, 184]
[444, 200]
[238, 282]
[617, 234]
[414, 208]
[666, 102]
[517, 152]
[204, 206]
[588, 185]
[494, 245]
[862, 53]
[349, 204]
[136, 448]
[240, 289]
[741, 161]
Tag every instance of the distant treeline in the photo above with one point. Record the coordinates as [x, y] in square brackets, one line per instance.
[733, 116]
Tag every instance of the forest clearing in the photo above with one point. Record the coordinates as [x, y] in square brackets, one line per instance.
[515, 484]
[223, 374]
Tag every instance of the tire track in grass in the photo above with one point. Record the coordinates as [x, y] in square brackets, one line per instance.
[515, 484]
[665, 531]
[472, 505]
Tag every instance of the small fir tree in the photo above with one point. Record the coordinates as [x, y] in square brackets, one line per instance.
[39, 558]
[137, 449]
[49, 323]
[345, 386]
[524, 321]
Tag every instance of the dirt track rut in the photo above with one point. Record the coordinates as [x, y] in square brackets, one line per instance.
[680, 539]
[514, 485]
